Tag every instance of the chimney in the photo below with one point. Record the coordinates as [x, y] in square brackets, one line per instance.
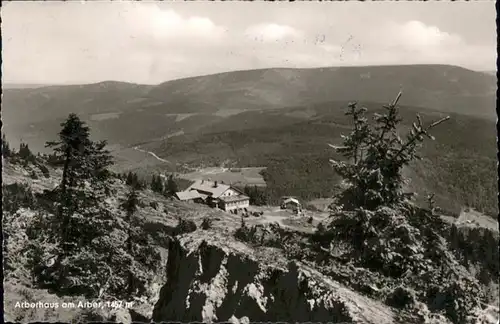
[215, 184]
[202, 181]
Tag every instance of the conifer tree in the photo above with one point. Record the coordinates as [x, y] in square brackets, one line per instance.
[137, 183]
[257, 196]
[172, 186]
[154, 183]
[376, 156]
[6, 151]
[25, 152]
[84, 185]
[130, 179]
[157, 184]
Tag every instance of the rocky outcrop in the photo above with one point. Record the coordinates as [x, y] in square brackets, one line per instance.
[211, 278]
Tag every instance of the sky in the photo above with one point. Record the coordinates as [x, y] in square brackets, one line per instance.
[72, 42]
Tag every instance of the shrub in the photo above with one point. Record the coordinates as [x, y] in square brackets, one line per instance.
[457, 294]
[17, 195]
[184, 226]
[206, 223]
[242, 232]
[271, 235]
[400, 297]
[154, 204]
[320, 228]
[33, 175]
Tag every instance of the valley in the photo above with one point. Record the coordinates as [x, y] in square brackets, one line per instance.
[236, 176]
[250, 162]
[268, 134]
[228, 119]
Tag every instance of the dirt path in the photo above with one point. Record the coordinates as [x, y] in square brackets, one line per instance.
[283, 217]
[152, 154]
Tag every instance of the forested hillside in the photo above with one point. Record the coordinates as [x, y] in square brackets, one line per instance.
[459, 167]
[76, 232]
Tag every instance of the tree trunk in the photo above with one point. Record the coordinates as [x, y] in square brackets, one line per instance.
[130, 281]
[64, 218]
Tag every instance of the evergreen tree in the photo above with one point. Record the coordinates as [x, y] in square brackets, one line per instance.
[154, 183]
[6, 151]
[136, 182]
[84, 185]
[376, 156]
[172, 186]
[130, 179]
[25, 152]
[130, 207]
[133, 181]
[157, 184]
[257, 195]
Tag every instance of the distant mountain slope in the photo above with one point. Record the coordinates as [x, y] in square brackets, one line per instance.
[128, 114]
[439, 87]
[21, 106]
[22, 85]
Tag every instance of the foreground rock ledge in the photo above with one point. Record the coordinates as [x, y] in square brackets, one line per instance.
[213, 278]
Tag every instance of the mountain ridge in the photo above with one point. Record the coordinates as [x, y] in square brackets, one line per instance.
[436, 87]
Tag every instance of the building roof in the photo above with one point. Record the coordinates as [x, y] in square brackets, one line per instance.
[187, 195]
[208, 187]
[291, 200]
[234, 198]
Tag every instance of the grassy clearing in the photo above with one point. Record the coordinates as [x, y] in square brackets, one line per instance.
[237, 177]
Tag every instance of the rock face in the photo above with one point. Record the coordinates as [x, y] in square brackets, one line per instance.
[213, 278]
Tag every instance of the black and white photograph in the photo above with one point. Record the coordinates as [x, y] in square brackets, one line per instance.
[250, 162]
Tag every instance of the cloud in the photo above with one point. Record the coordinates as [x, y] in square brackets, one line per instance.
[90, 42]
[272, 32]
[415, 35]
[150, 20]
[73, 42]
[414, 42]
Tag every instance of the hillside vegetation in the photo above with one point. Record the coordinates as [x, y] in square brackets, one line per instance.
[281, 119]
[113, 251]
[74, 231]
[460, 167]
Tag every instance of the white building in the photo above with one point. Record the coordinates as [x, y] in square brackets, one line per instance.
[290, 203]
[220, 195]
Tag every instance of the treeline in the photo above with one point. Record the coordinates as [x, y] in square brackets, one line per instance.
[23, 154]
[168, 187]
[297, 158]
[165, 185]
[258, 195]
